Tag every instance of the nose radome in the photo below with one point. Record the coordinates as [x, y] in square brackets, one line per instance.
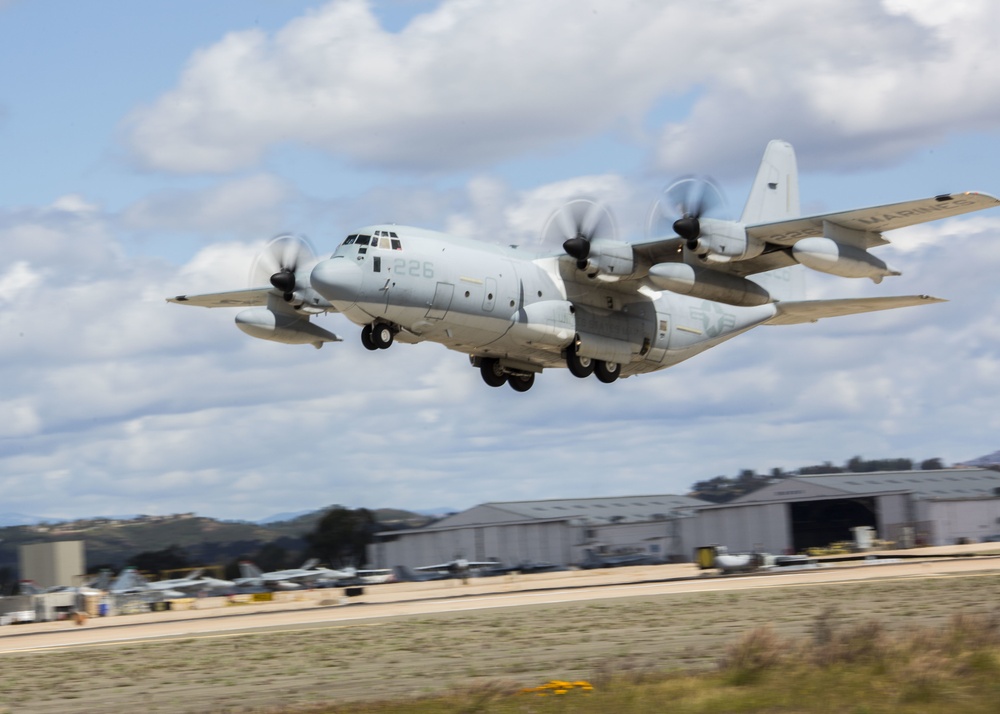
[338, 280]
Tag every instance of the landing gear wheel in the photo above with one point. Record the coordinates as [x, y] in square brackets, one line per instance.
[607, 372]
[381, 336]
[366, 338]
[492, 374]
[521, 382]
[580, 366]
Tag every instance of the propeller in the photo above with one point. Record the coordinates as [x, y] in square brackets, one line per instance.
[682, 204]
[576, 224]
[279, 261]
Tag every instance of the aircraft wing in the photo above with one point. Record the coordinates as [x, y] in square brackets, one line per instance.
[869, 223]
[231, 298]
[874, 220]
[795, 313]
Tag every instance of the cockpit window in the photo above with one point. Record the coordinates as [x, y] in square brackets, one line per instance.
[396, 245]
[363, 240]
[350, 239]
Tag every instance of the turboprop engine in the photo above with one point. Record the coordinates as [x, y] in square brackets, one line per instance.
[708, 284]
[828, 256]
[277, 326]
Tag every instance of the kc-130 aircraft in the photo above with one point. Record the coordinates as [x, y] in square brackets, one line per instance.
[585, 299]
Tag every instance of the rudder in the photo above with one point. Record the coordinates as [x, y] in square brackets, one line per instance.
[774, 195]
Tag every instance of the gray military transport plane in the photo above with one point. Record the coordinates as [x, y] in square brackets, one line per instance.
[585, 299]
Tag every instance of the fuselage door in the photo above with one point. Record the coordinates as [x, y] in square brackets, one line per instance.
[441, 302]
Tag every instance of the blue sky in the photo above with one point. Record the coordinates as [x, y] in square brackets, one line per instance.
[150, 149]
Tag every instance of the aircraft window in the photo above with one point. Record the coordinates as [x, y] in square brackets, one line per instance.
[384, 243]
[393, 235]
[363, 240]
[350, 239]
[396, 245]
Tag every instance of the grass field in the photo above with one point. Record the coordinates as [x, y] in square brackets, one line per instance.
[921, 644]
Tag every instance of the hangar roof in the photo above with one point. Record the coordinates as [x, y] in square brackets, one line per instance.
[961, 483]
[621, 509]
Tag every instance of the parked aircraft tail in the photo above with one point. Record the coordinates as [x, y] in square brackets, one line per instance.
[249, 570]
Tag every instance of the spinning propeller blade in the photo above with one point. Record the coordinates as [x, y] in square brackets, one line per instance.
[681, 206]
[576, 224]
[279, 261]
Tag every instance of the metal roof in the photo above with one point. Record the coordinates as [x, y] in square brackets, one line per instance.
[619, 509]
[943, 483]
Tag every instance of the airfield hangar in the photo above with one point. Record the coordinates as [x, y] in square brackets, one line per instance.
[911, 508]
[561, 531]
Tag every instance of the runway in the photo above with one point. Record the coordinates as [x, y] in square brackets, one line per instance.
[213, 618]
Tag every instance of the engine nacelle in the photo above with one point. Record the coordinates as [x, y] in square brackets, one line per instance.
[611, 258]
[291, 329]
[829, 256]
[723, 241]
[708, 284]
[550, 322]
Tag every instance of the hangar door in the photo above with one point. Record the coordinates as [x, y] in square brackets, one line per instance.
[816, 524]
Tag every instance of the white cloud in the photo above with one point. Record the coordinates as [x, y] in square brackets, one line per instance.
[473, 81]
[248, 205]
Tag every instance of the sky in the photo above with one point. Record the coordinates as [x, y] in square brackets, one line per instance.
[151, 149]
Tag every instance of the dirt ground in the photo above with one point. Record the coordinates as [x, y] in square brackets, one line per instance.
[421, 639]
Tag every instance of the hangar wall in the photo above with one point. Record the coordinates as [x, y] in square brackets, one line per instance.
[508, 543]
[955, 520]
[761, 527]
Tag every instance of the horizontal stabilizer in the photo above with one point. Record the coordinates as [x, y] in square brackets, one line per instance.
[231, 298]
[794, 313]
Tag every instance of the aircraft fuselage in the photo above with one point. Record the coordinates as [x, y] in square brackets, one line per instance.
[507, 305]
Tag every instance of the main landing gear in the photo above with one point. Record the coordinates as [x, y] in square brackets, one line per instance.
[496, 376]
[581, 367]
[377, 336]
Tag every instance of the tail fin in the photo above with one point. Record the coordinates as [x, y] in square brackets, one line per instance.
[249, 570]
[774, 195]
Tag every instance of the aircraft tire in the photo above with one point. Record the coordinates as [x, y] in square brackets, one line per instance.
[521, 383]
[580, 366]
[607, 372]
[492, 374]
[381, 336]
[366, 338]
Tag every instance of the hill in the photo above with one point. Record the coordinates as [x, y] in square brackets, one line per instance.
[111, 542]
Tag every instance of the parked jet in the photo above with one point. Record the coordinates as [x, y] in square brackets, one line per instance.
[585, 299]
[459, 567]
[131, 580]
[291, 579]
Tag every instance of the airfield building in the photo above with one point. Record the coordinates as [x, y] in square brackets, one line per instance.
[940, 507]
[560, 532]
[911, 508]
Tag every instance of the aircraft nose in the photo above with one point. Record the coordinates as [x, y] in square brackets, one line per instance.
[338, 280]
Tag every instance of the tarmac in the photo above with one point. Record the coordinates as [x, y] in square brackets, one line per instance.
[220, 617]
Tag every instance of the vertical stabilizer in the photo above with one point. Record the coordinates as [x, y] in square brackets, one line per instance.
[774, 195]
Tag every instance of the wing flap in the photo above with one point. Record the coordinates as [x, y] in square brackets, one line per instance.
[875, 220]
[795, 313]
[231, 298]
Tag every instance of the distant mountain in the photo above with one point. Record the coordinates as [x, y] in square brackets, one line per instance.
[984, 461]
[436, 512]
[282, 517]
[20, 519]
